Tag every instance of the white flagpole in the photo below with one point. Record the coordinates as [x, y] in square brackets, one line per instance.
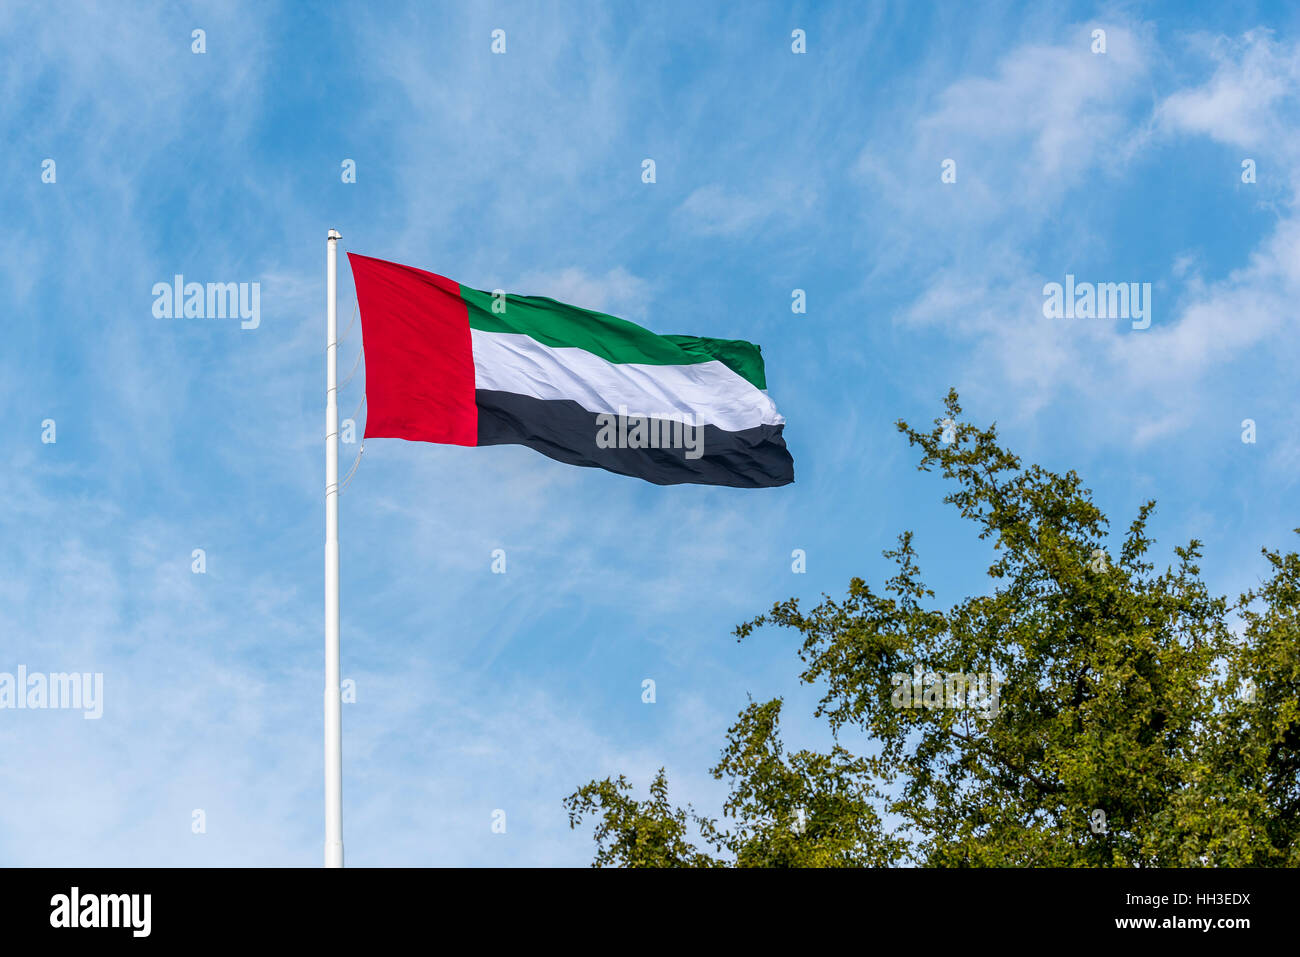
[333, 716]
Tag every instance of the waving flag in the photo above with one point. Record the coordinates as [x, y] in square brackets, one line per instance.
[450, 364]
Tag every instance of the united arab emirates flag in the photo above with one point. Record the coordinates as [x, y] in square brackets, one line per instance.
[450, 364]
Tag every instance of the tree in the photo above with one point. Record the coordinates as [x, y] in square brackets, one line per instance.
[1136, 719]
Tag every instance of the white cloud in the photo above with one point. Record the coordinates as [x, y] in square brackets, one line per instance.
[1221, 320]
[1250, 101]
[1046, 121]
[1022, 137]
[617, 292]
[714, 211]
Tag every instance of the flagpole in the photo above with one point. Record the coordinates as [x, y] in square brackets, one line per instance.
[333, 716]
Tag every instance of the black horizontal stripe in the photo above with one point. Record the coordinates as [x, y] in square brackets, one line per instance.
[565, 431]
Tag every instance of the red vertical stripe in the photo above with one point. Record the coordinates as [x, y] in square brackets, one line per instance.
[419, 359]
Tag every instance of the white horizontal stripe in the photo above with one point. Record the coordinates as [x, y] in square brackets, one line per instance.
[512, 362]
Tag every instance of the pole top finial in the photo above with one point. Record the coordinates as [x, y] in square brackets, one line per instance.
[333, 234]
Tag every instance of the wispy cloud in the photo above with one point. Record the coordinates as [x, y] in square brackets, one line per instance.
[775, 171]
[714, 211]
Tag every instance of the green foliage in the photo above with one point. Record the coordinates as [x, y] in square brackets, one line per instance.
[1125, 692]
[633, 833]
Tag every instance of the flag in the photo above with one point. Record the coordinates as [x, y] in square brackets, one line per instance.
[460, 366]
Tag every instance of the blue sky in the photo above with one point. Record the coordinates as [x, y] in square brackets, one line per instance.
[775, 171]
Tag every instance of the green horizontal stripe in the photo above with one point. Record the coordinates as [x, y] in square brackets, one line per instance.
[558, 325]
[741, 357]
